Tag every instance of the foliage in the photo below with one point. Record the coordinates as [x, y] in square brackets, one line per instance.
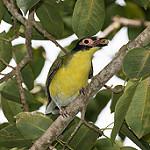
[130, 102]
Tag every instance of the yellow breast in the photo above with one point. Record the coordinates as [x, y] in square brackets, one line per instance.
[70, 78]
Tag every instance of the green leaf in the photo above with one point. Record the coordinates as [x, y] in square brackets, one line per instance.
[68, 7]
[36, 35]
[111, 11]
[26, 5]
[136, 63]
[5, 51]
[144, 3]
[133, 11]
[67, 27]
[122, 107]
[133, 32]
[81, 139]
[7, 17]
[138, 115]
[9, 90]
[32, 124]
[127, 148]
[10, 109]
[97, 105]
[11, 137]
[105, 144]
[19, 52]
[3, 125]
[33, 69]
[2, 10]
[115, 96]
[88, 20]
[139, 142]
[38, 61]
[50, 18]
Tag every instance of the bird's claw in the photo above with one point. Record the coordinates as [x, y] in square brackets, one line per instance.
[82, 91]
[63, 112]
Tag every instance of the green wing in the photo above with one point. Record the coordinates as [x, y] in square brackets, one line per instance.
[91, 71]
[55, 66]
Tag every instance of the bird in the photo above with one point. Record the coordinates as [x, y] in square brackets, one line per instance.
[69, 74]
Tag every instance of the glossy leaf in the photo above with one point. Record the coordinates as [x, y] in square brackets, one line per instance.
[133, 32]
[88, 20]
[49, 14]
[139, 142]
[2, 10]
[138, 115]
[32, 125]
[26, 5]
[7, 17]
[38, 61]
[36, 35]
[111, 11]
[136, 63]
[115, 96]
[81, 139]
[9, 90]
[127, 148]
[5, 51]
[19, 52]
[3, 125]
[133, 11]
[97, 105]
[10, 109]
[105, 144]
[31, 70]
[11, 137]
[122, 107]
[143, 3]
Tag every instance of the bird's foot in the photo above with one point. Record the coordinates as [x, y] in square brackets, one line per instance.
[63, 112]
[82, 91]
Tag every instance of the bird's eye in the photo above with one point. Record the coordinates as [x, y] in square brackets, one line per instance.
[86, 41]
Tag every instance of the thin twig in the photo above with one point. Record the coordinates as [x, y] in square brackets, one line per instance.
[110, 29]
[13, 10]
[28, 33]
[83, 111]
[93, 127]
[21, 90]
[6, 64]
[73, 134]
[131, 22]
[118, 22]
[7, 76]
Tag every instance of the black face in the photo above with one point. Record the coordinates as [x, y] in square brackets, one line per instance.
[89, 42]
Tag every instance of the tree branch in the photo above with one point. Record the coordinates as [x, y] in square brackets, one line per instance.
[21, 90]
[97, 82]
[122, 21]
[13, 10]
[130, 22]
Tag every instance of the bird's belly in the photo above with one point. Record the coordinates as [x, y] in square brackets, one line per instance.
[67, 82]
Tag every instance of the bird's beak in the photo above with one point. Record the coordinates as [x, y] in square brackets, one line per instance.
[100, 42]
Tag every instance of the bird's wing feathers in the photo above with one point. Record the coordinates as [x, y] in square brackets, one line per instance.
[91, 71]
[55, 66]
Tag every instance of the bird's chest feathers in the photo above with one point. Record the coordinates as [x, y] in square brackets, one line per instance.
[71, 77]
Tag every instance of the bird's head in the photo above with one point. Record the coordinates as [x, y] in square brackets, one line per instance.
[90, 42]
